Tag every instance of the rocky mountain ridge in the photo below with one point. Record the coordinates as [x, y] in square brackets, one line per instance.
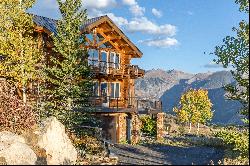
[168, 86]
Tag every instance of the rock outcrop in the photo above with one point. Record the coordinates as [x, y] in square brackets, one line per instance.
[14, 150]
[53, 139]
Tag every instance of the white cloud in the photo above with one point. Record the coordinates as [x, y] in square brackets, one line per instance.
[146, 26]
[94, 13]
[120, 21]
[99, 4]
[156, 13]
[213, 65]
[166, 42]
[137, 10]
[129, 2]
[139, 24]
[134, 8]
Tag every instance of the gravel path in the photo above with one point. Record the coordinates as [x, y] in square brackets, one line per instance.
[165, 155]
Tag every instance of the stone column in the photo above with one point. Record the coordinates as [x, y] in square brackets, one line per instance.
[121, 128]
[136, 126]
[160, 126]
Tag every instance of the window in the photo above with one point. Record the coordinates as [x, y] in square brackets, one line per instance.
[95, 89]
[104, 56]
[115, 90]
[103, 63]
[89, 36]
[104, 89]
[99, 38]
[93, 57]
[115, 60]
[106, 45]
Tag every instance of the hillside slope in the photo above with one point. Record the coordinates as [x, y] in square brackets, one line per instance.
[168, 86]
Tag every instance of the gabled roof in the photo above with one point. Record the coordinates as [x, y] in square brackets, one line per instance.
[50, 25]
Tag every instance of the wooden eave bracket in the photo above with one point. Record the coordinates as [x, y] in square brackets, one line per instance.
[138, 53]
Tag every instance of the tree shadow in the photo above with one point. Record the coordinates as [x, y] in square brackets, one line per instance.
[165, 154]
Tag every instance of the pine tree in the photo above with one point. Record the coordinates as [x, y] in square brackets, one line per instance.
[19, 49]
[68, 83]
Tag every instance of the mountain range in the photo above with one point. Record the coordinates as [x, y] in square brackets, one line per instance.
[168, 86]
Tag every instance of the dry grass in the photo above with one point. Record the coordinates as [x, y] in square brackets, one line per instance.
[231, 159]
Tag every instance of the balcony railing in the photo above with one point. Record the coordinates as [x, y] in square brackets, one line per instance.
[111, 68]
[120, 104]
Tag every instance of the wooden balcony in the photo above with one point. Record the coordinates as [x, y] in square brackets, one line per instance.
[135, 71]
[111, 69]
[107, 104]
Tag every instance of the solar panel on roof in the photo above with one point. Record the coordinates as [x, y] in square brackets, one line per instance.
[50, 24]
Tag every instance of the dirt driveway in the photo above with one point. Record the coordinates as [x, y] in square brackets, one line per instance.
[165, 155]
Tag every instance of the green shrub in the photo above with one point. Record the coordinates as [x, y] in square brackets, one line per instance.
[149, 125]
[238, 141]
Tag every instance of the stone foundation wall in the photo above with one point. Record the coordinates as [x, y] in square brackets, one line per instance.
[136, 126]
[160, 126]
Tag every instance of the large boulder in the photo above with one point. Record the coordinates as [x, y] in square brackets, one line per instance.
[14, 150]
[53, 139]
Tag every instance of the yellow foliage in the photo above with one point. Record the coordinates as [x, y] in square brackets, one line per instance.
[195, 107]
[19, 46]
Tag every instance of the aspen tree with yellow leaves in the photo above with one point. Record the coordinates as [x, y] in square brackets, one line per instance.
[194, 108]
[19, 48]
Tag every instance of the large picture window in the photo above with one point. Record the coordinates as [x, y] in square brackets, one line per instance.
[115, 90]
[93, 57]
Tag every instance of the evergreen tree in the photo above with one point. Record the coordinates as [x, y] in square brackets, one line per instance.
[67, 80]
[19, 49]
[235, 52]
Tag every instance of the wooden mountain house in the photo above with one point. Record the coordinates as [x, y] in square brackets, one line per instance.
[110, 54]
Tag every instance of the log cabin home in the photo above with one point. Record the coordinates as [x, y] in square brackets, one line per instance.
[110, 54]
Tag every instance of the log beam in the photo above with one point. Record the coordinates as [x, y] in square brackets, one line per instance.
[111, 42]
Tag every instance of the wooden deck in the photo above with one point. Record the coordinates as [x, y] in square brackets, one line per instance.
[117, 105]
[102, 69]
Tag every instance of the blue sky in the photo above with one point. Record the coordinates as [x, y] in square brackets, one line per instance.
[172, 34]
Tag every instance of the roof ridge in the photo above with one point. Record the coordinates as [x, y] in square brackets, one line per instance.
[43, 16]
